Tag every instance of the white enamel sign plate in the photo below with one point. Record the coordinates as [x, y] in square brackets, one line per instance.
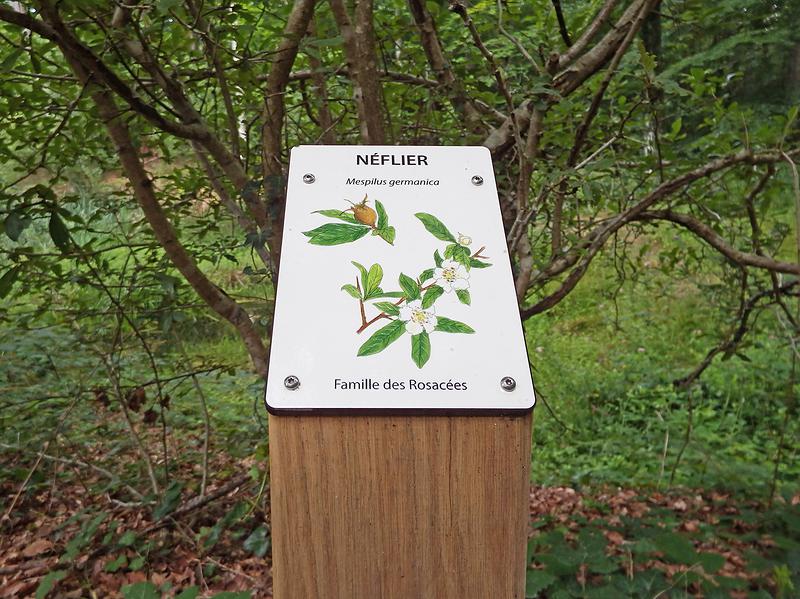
[395, 288]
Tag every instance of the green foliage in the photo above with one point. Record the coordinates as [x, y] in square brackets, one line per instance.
[49, 582]
[212, 535]
[141, 590]
[259, 541]
[409, 286]
[336, 234]
[83, 537]
[345, 216]
[582, 562]
[431, 295]
[448, 325]
[625, 420]
[435, 227]
[170, 501]
[420, 349]
[93, 309]
[382, 338]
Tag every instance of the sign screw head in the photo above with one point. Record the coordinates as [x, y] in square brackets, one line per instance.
[291, 382]
[309, 178]
[477, 180]
[507, 383]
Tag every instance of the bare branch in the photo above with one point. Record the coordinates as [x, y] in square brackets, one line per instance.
[517, 44]
[593, 60]
[445, 77]
[583, 252]
[588, 35]
[527, 163]
[272, 120]
[571, 79]
[101, 73]
[212, 54]
[562, 24]
[728, 345]
[162, 228]
[359, 50]
[326, 122]
[588, 118]
[460, 8]
[711, 237]
[274, 105]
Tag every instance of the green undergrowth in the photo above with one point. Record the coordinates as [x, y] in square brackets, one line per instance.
[604, 363]
[743, 553]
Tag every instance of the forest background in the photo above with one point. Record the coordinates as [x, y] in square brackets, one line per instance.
[645, 153]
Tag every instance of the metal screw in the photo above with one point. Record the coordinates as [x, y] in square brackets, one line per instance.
[477, 180]
[507, 383]
[309, 178]
[291, 382]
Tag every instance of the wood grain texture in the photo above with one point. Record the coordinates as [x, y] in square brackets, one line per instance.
[385, 507]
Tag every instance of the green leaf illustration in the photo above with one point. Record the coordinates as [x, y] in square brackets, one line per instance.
[426, 274]
[420, 348]
[461, 255]
[437, 258]
[351, 289]
[431, 295]
[475, 263]
[383, 218]
[374, 278]
[463, 296]
[345, 216]
[395, 294]
[435, 227]
[335, 234]
[382, 338]
[363, 271]
[409, 287]
[458, 253]
[387, 307]
[447, 325]
[375, 294]
[388, 234]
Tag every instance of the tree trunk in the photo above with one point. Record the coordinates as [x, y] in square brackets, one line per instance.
[359, 49]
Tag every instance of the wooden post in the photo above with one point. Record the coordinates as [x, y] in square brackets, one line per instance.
[399, 507]
[399, 385]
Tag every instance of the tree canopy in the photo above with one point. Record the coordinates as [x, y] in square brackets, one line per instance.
[646, 159]
[603, 119]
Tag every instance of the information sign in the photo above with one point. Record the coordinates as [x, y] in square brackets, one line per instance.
[395, 290]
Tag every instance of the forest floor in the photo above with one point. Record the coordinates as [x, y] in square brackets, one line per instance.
[63, 538]
[642, 491]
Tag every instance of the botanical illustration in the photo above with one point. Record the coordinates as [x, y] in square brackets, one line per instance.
[359, 220]
[413, 309]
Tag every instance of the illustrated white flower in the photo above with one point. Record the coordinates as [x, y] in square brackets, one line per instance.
[464, 239]
[418, 319]
[451, 275]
